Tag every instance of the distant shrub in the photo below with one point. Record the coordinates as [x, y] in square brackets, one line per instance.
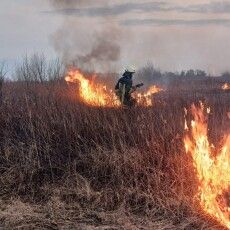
[226, 75]
[149, 74]
[194, 73]
[201, 73]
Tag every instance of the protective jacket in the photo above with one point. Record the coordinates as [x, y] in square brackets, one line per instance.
[125, 80]
[124, 88]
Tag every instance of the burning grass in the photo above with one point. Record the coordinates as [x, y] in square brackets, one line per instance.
[226, 86]
[72, 165]
[98, 94]
[212, 169]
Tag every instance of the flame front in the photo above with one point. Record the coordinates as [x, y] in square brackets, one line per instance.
[146, 98]
[97, 94]
[226, 86]
[213, 171]
[92, 93]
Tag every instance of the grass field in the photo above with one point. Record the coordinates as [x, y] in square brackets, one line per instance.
[65, 165]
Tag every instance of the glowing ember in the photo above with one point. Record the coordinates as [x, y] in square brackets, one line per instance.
[226, 86]
[97, 94]
[213, 171]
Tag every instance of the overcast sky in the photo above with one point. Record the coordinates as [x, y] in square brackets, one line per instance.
[172, 34]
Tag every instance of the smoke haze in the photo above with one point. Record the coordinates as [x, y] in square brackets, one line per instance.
[83, 45]
[108, 35]
[70, 3]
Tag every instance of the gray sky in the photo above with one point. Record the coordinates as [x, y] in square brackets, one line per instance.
[173, 34]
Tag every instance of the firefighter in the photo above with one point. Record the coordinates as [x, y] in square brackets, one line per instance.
[124, 88]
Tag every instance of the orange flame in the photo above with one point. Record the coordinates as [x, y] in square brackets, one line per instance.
[226, 86]
[213, 172]
[146, 98]
[97, 94]
[92, 93]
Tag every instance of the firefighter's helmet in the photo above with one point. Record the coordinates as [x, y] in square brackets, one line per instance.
[130, 69]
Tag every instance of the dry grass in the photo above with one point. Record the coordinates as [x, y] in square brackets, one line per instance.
[68, 166]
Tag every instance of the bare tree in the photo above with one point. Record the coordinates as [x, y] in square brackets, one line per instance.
[2, 77]
[22, 72]
[2, 72]
[32, 69]
[37, 68]
[55, 70]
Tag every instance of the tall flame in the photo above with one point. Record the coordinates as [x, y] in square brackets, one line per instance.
[97, 94]
[93, 93]
[213, 171]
